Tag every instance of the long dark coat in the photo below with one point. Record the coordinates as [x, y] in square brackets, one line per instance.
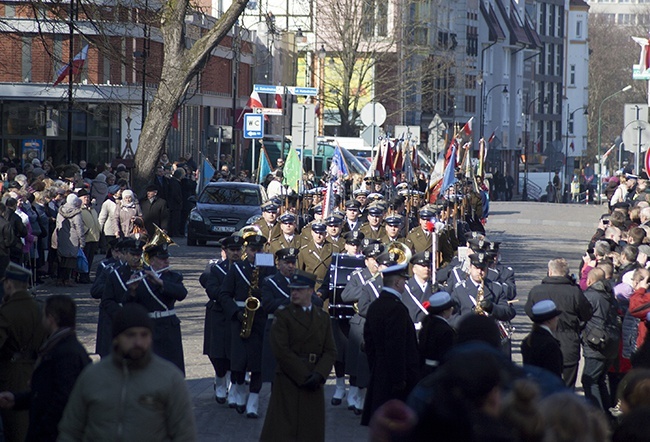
[21, 336]
[104, 321]
[541, 349]
[296, 414]
[435, 339]
[369, 292]
[155, 212]
[216, 330]
[392, 350]
[245, 354]
[57, 369]
[575, 309]
[167, 340]
[413, 299]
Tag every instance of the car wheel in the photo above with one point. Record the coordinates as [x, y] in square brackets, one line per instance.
[202, 243]
[191, 241]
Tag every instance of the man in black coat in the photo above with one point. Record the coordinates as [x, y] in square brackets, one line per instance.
[390, 344]
[540, 347]
[20, 231]
[216, 333]
[59, 363]
[436, 336]
[175, 203]
[560, 288]
[154, 211]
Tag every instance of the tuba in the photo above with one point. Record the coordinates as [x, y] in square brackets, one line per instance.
[480, 295]
[250, 306]
[159, 237]
[402, 252]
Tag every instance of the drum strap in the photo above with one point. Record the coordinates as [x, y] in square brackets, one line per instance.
[222, 270]
[374, 289]
[119, 278]
[421, 307]
[146, 284]
[278, 287]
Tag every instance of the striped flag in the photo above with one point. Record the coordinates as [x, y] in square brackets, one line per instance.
[75, 66]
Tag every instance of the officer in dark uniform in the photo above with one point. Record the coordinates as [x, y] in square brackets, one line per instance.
[436, 336]
[361, 196]
[352, 221]
[216, 334]
[540, 347]
[244, 280]
[373, 227]
[465, 294]
[289, 236]
[334, 225]
[116, 290]
[158, 291]
[499, 272]
[316, 255]
[268, 224]
[418, 287]
[104, 331]
[354, 358]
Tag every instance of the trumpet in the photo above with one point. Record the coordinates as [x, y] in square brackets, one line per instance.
[140, 275]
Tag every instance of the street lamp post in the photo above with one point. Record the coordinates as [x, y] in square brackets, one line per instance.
[569, 117]
[600, 111]
[484, 104]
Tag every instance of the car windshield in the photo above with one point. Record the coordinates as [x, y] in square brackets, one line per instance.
[230, 195]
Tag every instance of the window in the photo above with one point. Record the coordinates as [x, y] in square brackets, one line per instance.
[550, 59]
[470, 104]
[470, 81]
[560, 22]
[572, 75]
[368, 18]
[559, 65]
[382, 18]
[579, 29]
[551, 20]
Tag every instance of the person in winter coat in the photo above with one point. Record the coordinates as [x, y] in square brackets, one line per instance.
[125, 214]
[107, 222]
[92, 231]
[599, 356]
[98, 191]
[60, 361]
[68, 237]
[562, 289]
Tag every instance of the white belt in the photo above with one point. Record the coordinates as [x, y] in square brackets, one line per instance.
[270, 316]
[162, 314]
[240, 303]
[431, 363]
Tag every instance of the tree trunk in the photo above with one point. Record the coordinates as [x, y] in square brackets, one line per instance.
[180, 66]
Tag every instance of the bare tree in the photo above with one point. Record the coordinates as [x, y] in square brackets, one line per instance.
[610, 69]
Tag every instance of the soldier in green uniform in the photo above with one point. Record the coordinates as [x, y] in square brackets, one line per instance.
[316, 255]
[372, 229]
[334, 226]
[352, 221]
[268, 224]
[288, 238]
[420, 236]
[394, 224]
[305, 234]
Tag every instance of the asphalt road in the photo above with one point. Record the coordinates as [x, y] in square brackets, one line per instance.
[531, 233]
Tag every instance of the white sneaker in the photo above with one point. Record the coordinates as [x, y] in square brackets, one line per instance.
[252, 404]
[233, 396]
[353, 397]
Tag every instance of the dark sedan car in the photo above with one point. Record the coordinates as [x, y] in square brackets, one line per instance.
[222, 209]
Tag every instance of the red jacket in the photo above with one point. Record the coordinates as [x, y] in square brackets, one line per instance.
[639, 308]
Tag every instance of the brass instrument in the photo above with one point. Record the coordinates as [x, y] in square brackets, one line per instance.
[159, 237]
[480, 295]
[250, 306]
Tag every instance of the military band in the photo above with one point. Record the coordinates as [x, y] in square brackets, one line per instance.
[345, 248]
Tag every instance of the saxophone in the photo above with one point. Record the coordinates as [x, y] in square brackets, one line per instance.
[250, 306]
[480, 295]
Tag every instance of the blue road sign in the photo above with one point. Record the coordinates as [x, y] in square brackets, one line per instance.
[309, 91]
[268, 89]
[253, 126]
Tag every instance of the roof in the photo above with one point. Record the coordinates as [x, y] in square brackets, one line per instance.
[518, 32]
[579, 4]
[495, 30]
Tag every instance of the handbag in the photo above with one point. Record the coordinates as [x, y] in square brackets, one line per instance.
[82, 262]
[596, 338]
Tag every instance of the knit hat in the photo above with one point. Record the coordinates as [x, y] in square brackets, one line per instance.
[129, 316]
[100, 177]
[127, 192]
[73, 200]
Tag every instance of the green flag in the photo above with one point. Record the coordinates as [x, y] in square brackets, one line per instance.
[292, 170]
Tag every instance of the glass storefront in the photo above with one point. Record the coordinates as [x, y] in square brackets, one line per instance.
[28, 126]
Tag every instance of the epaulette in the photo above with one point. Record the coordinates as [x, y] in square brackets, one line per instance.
[214, 261]
[460, 283]
[304, 247]
[282, 307]
[357, 271]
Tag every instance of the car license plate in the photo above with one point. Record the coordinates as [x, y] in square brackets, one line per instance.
[223, 229]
